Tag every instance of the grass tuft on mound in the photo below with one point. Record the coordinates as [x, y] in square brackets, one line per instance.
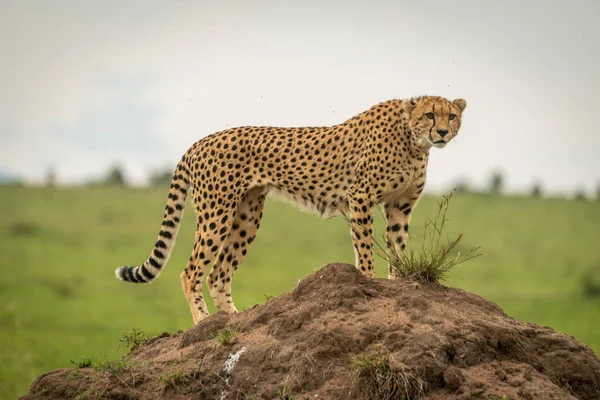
[133, 338]
[435, 257]
[380, 381]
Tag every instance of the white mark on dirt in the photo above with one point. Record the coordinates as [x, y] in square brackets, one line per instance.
[229, 365]
[232, 360]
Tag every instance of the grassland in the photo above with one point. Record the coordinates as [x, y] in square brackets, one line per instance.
[59, 299]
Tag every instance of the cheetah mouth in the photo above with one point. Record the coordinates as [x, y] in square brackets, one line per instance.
[438, 143]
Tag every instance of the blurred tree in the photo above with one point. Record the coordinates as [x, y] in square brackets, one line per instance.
[50, 178]
[6, 178]
[115, 177]
[598, 192]
[462, 186]
[536, 190]
[161, 178]
[497, 182]
[580, 195]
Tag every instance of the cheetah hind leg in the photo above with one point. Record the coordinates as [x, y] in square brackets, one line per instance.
[189, 296]
[209, 237]
[234, 249]
[196, 302]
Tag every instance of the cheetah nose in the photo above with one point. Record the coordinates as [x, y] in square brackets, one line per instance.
[442, 132]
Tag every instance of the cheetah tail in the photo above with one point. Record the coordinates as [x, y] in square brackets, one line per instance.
[168, 232]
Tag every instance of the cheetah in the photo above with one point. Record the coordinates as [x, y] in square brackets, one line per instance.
[376, 157]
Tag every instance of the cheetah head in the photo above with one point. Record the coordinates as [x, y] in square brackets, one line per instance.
[434, 120]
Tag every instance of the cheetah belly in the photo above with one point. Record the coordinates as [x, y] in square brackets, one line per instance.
[326, 208]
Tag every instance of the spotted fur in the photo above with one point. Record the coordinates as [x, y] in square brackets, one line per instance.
[377, 157]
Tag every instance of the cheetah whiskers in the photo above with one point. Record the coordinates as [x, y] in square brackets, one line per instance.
[423, 141]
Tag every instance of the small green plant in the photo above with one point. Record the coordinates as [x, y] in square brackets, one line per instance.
[80, 395]
[494, 397]
[84, 362]
[434, 258]
[132, 338]
[227, 336]
[268, 297]
[365, 362]
[285, 392]
[379, 381]
[39, 394]
[114, 368]
[75, 374]
[174, 379]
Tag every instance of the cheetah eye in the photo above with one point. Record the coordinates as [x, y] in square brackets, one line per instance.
[451, 117]
[429, 115]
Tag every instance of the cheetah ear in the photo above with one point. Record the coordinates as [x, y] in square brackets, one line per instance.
[461, 103]
[408, 105]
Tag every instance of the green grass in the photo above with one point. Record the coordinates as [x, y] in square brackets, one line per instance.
[83, 362]
[379, 381]
[111, 367]
[60, 300]
[132, 338]
[285, 391]
[433, 255]
[226, 336]
[175, 379]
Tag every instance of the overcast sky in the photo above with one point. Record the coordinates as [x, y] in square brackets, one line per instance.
[86, 84]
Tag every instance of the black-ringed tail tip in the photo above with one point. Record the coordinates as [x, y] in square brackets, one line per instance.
[139, 274]
[169, 227]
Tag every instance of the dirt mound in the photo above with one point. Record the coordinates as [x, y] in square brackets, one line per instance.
[341, 336]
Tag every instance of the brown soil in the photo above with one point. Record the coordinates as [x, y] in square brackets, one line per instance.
[432, 342]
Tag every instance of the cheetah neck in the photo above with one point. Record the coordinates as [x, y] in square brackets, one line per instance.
[418, 147]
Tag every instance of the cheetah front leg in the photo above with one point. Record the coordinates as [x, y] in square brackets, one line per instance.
[361, 228]
[397, 215]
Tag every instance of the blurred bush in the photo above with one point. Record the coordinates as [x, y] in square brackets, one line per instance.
[590, 280]
[536, 190]
[161, 178]
[496, 182]
[115, 177]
